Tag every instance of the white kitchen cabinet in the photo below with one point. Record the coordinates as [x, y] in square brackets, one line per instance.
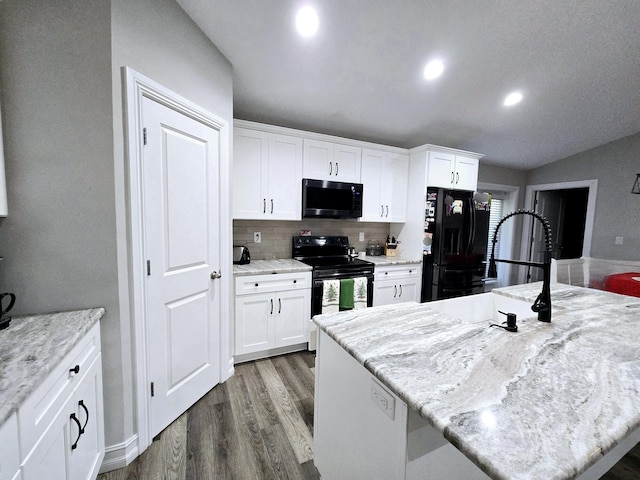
[62, 423]
[385, 178]
[272, 311]
[448, 170]
[331, 161]
[267, 175]
[9, 453]
[396, 283]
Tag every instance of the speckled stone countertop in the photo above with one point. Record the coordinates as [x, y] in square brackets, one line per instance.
[384, 260]
[262, 267]
[546, 402]
[31, 346]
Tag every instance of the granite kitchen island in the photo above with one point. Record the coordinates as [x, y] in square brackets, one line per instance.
[416, 391]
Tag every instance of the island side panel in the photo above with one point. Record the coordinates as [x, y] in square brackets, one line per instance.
[353, 436]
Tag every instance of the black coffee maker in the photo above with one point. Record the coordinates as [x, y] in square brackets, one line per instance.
[5, 307]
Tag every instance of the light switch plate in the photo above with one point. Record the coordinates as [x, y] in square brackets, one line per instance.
[361, 237]
[257, 237]
[383, 399]
[619, 240]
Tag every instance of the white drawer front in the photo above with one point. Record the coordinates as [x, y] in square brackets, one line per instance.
[41, 407]
[397, 271]
[276, 282]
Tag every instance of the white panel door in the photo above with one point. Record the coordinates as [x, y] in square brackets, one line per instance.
[292, 317]
[254, 323]
[346, 163]
[441, 169]
[285, 178]
[466, 176]
[250, 181]
[182, 238]
[318, 160]
[371, 175]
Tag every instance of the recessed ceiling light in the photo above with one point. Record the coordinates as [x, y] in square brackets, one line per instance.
[512, 99]
[433, 69]
[307, 21]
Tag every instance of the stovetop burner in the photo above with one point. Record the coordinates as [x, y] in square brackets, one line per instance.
[327, 252]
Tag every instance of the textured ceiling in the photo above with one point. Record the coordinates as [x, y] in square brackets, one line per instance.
[577, 63]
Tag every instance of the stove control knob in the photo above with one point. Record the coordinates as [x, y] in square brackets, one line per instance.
[306, 240]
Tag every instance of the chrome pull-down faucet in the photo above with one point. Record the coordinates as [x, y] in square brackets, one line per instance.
[542, 305]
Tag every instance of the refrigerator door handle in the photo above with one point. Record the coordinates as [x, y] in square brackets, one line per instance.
[472, 230]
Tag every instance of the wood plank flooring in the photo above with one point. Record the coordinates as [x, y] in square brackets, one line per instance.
[257, 425]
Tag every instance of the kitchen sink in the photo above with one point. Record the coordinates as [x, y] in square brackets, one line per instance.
[483, 306]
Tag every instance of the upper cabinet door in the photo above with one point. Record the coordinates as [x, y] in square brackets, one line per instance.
[318, 160]
[447, 170]
[267, 176]
[371, 176]
[331, 161]
[394, 186]
[347, 162]
[441, 169]
[466, 173]
[385, 178]
[285, 178]
[249, 172]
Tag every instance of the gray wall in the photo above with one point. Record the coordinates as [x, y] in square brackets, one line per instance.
[617, 214]
[64, 241]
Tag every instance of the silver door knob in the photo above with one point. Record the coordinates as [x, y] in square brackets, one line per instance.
[215, 275]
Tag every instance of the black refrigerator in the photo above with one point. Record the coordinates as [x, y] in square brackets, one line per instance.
[454, 245]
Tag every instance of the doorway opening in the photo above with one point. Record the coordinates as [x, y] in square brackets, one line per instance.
[569, 207]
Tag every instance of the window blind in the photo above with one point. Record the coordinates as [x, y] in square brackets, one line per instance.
[494, 218]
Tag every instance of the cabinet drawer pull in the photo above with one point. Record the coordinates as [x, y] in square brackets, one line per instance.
[75, 370]
[80, 431]
[86, 411]
[295, 281]
[255, 285]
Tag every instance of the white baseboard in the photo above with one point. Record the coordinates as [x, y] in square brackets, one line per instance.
[120, 455]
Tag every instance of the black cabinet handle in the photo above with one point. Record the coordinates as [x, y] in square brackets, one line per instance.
[457, 178]
[264, 205]
[387, 211]
[400, 291]
[330, 168]
[75, 369]
[75, 419]
[86, 411]
[279, 305]
[272, 205]
[395, 291]
[382, 210]
[336, 168]
[256, 285]
[271, 306]
[295, 281]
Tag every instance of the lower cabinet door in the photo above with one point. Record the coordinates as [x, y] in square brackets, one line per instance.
[409, 291]
[254, 327]
[292, 317]
[85, 459]
[385, 292]
[50, 454]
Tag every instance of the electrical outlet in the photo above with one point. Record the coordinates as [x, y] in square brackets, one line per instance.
[361, 237]
[257, 237]
[619, 240]
[383, 399]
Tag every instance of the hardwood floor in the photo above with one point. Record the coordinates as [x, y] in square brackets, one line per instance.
[257, 425]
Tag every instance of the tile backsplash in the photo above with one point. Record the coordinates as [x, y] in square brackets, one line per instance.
[276, 234]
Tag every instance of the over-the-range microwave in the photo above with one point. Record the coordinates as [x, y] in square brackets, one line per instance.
[327, 199]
